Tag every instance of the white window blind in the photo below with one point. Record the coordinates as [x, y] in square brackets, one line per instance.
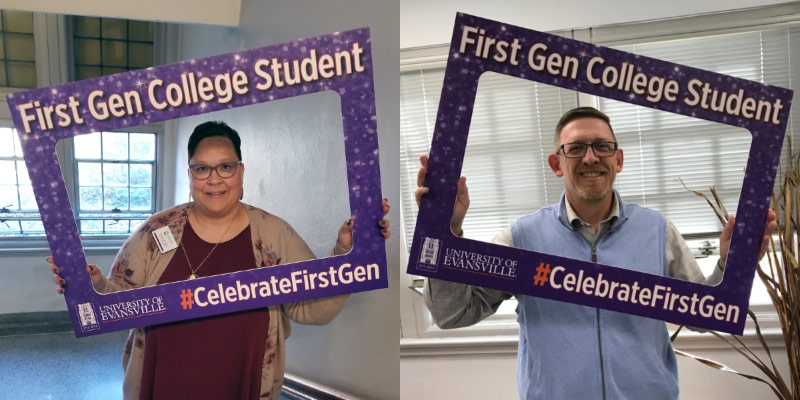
[661, 147]
[505, 163]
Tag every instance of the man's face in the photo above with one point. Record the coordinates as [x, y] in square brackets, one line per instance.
[590, 178]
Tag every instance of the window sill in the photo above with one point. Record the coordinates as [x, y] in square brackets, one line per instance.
[507, 344]
[36, 246]
[482, 345]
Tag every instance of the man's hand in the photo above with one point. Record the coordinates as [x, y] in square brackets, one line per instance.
[727, 232]
[346, 231]
[462, 195]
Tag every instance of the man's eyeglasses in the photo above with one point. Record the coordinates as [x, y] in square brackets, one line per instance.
[578, 150]
[224, 170]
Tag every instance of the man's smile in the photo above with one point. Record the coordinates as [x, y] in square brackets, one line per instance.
[591, 174]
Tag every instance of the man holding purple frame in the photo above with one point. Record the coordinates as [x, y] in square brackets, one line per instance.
[570, 351]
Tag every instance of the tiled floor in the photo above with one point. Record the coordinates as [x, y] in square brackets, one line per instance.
[57, 366]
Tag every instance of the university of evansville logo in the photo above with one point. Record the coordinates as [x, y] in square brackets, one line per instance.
[87, 317]
[429, 254]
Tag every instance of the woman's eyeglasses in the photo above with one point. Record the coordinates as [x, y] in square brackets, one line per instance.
[224, 170]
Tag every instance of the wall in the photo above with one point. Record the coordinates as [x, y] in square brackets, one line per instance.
[495, 376]
[425, 23]
[26, 284]
[214, 12]
[293, 154]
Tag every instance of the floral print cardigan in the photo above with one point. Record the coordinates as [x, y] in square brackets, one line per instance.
[139, 263]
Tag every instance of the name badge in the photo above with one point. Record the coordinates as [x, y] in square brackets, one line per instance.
[164, 239]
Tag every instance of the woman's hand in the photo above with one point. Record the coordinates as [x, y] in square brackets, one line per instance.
[94, 274]
[346, 231]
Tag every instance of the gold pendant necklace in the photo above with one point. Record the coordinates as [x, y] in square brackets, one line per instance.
[193, 275]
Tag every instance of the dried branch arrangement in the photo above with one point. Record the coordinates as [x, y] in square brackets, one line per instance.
[783, 284]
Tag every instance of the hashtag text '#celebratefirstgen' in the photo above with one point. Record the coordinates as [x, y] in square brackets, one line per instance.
[655, 296]
[298, 281]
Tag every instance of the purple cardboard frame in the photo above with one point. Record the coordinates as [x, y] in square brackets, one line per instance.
[722, 307]
[363, 268]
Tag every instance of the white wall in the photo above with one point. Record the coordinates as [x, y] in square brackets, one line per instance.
[425, 22]
[294, 158]
[214, 12]
[26, 284]
[493, 376]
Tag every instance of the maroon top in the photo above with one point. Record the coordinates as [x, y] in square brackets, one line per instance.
[217, 357]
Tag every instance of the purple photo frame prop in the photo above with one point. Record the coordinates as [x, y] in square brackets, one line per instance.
[580, 66]
[340, 62]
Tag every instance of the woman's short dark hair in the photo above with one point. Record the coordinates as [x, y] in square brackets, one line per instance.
[211, 129]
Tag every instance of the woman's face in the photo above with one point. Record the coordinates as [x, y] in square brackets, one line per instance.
[216, 195]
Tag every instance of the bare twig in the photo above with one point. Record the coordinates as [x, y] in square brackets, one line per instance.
[783, 286]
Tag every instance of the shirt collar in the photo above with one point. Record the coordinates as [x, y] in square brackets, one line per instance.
[573, 218]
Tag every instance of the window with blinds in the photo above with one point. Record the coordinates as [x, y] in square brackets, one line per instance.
[661, 147]
[505, 162]
[512, 128]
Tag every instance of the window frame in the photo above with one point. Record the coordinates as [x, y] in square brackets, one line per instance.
[417, 329]
[100, 39]
[155, 129]
[5, 46]
[54, 65]
[29, 214]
